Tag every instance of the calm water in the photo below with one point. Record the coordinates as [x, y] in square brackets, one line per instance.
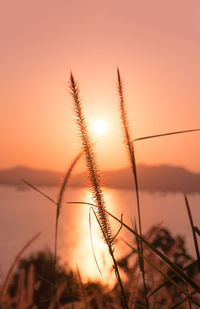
[24, 213]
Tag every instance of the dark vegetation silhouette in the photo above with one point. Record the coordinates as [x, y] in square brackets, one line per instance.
[97, 294]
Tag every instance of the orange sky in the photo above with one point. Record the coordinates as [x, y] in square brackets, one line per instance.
[155, 43]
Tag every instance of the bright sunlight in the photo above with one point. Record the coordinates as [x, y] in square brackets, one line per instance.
[99, 126]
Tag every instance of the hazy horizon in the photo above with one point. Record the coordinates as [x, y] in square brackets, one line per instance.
[78, 170]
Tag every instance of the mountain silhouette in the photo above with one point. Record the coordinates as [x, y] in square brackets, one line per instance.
[152, 178]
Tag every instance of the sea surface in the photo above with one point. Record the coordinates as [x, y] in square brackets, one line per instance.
[23, 213]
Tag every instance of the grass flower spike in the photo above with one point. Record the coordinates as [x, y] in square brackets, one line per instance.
[94, 176]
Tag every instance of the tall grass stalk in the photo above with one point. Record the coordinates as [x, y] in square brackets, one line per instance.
[131, 153]
[128, 141]
[94, 178]
[60, 199]
[58, 208]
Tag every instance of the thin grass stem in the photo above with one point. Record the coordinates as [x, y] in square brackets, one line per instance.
[164, 134]
[91, 239]
[60, 199]
[58, 208]
[193, 230]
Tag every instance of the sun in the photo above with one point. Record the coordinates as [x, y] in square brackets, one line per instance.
[99, 126]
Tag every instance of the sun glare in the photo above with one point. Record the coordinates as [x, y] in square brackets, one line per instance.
[99, 126]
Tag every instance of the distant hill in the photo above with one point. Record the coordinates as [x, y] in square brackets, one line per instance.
[38, 177]
[152, 178]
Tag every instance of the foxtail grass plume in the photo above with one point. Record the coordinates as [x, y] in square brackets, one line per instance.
[93, 170]
[128, 141]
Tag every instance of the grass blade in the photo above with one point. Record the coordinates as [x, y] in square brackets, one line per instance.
[193, 230]
[58, 204]
[92, 245]
[38, 190]
[60, 198]
[164, 134]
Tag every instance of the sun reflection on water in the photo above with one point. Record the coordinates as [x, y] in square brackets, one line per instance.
[82, 254]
